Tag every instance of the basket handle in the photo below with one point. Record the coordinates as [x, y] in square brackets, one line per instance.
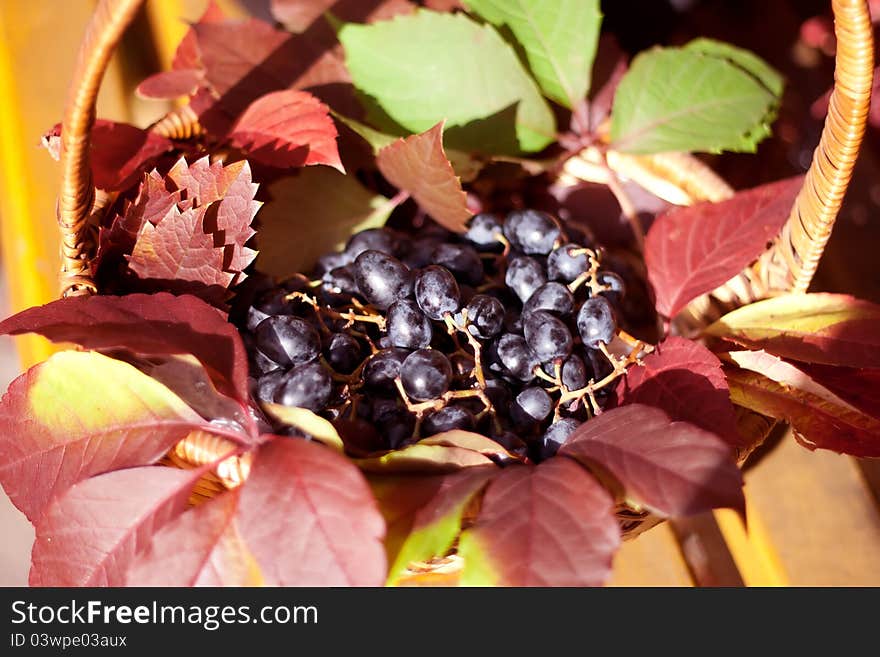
[793, 259]
[105, 28]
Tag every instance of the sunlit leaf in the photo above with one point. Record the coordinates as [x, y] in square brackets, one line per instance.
[307, 516]
[673, 468]
[698, 98]
[821, 419]
[685, 380]
[830, 329]
[690, 251]
[155, 324]
[419, 166]
[550, 525]
[475, 82]
[287, 128]
[79, 414]
[91, 535]
[558, 36]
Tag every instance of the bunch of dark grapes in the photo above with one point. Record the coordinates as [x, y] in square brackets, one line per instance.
[503, 330]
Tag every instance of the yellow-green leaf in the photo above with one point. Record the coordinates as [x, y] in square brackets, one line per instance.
[831, 329]
[79, 414]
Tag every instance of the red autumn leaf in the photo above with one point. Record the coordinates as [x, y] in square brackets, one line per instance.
[673, 468]
[684, 379]
[299, 15]
[187, 62]
[419, 166]
[244, 60]
[168, 85]
[206, 182]
[153, 201]
[859, 387]
[155, 324]
[119, 152]
[309, 519]
[691, 251]
[829, 329]
[288, 129]
[550, 525]
[768, 385]
[199, 244]
[214, 553]
[91, 535]
[178, 249]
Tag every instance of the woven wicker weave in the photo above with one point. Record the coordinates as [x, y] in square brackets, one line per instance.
[788, 265]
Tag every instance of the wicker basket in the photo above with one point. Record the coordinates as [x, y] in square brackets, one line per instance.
[788, 265]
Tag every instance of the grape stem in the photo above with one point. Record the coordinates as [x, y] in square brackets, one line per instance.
[619, 364]
[453, 328]
[349, 316]
[591, 276]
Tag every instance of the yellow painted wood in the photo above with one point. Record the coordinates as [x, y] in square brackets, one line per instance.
[169, 21]
[818, 514]
[651, 559]
[754, 554]
[38, 45]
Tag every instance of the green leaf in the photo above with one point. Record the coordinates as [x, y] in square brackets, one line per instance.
[437, 524]
[559, 38]
[418, 70]
[703, 97]
[744, 59]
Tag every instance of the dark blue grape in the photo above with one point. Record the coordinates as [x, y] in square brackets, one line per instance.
[287, 340]
[394, 423]
[307, 386]
[498, 392]
[562, 266]
[553, 297]
[382, 279]
[556, 435]
[547, 335]
[267, 304]
[574, 373]
[462, 260]
[330, 261]
[525, 275]
[515, 357]
[267, 385]
[420, 252]
[437, 292]
[448, 418]
[344, 353]
[484, 230]
[485, 316]
[373, 239]
[382, 368]
[426, 374]
[595, 322]
[531, 231]
[513, 321]
[340, 280]
[407, 325]
[535, 403]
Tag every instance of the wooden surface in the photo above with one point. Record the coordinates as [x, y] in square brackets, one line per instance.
[813, 518]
